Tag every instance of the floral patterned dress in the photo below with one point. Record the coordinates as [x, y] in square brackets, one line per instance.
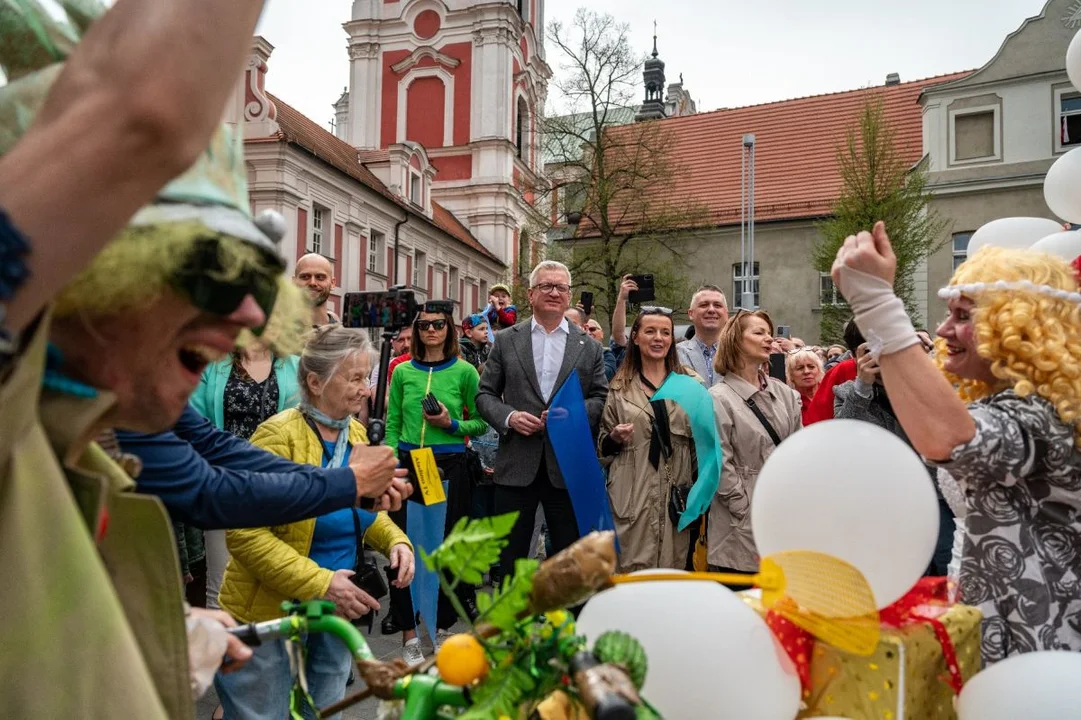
[1021, 476]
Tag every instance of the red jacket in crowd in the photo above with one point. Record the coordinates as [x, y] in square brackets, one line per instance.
[822, 404]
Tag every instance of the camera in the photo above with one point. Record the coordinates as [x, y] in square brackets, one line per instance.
[392, 310]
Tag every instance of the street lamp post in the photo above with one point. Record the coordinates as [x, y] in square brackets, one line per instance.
[746, 227]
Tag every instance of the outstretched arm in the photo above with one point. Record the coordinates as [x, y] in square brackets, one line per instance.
[134, 106]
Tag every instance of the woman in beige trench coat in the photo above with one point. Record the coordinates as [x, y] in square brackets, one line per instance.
[648, 448]
[745, 440]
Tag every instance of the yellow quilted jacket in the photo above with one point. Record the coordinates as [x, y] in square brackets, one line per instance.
[270, 565]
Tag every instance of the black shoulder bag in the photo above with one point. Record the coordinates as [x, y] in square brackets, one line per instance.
[765, 423]
[366, 576]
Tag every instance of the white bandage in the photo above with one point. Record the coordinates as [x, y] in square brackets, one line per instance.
[207, 641]
[880, 314]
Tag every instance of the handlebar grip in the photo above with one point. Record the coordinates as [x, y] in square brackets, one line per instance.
[248, 634]
[603, 688]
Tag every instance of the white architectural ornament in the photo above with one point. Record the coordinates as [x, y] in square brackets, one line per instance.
[260, 108]
[425, 52]
[448, 101]
[363, 51]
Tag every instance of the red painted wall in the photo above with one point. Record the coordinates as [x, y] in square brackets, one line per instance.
[338, 232]
[302, 232]
[431, 280]
[463, 75]
[427, 24]
[408, 270]
[390, 267]
[453, 167]
[425, 105]
[476, 300]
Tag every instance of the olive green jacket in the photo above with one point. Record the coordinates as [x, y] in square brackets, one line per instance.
[91, 597]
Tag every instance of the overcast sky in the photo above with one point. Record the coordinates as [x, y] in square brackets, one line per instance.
[731, 52]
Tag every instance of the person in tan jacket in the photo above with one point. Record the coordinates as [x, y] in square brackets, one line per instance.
[648, 448]
[754, 414]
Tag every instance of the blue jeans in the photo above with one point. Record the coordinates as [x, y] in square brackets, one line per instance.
[260, 691]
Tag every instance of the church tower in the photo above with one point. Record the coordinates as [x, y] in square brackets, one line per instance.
[465, 79]
[653, 75]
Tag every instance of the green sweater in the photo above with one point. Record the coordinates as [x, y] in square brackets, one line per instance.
[454, 383]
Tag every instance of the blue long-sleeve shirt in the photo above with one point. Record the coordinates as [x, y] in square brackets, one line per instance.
[214, 480]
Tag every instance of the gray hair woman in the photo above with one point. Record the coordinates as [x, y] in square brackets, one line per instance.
[313, 558]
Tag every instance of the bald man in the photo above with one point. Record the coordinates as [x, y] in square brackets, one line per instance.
[316, 273]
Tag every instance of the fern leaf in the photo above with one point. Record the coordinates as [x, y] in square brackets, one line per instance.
[504, 605]
[472, 548]
[500, 694]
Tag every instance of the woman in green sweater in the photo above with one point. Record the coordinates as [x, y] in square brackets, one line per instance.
[435, 368]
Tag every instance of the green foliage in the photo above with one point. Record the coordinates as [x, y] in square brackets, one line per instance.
[471, 548]
[503, 606]
[501, 692]
[879, 185]
[833, 321]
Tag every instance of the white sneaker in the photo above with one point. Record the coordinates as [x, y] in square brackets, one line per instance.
[440, 638]
[412, 653]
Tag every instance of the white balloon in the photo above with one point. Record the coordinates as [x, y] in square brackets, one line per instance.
[1066, 245]
[1014, 232]
[1033, 686]
[710, 654]
[854, 491]
[1073, 61]
[1062, 187]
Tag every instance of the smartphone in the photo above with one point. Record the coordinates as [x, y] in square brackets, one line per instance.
[776, 367]
[784, 331]
[587, 303]
[430, 405]
[645, 291]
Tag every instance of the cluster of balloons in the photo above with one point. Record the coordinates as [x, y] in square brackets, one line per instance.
[712, 655]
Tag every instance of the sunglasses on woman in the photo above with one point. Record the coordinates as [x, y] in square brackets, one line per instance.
[423, 325]
[655, 310]
[203, 279]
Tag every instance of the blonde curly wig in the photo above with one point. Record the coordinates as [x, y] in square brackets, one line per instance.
[1032, 338]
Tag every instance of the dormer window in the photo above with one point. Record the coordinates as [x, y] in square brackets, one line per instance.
[416, 195]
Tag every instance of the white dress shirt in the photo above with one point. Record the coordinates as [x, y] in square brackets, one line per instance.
[548, 350]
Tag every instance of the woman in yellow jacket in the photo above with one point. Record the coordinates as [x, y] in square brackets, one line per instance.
[313, 558]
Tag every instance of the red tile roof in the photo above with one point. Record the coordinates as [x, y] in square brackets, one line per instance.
[796, 174]
[298, 129]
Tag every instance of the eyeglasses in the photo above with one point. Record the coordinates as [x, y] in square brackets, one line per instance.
[655, 310]
[423, 325]
[202, 279]
[549, 288]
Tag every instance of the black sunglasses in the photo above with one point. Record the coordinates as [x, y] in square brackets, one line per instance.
[423, 325]
[200, 279]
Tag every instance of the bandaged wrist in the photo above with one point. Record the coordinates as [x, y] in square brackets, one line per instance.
[880, 314]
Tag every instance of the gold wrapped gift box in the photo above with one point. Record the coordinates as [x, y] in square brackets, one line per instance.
[902, 679]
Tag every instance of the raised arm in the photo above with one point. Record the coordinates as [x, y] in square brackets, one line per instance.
[619, 312]
[134, 106]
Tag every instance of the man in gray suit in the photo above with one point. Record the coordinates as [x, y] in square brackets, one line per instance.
[528, 364]
[708, 313]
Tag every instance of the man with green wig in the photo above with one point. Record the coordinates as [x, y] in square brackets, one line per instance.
[114, 295]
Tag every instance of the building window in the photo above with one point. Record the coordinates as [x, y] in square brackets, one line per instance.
[452, 291]
[414, 189]
[375, 246]
[317, 229]
[827, 291]
[743, 281]
[521, 128]
[1069, 120]
[960, 248]
[420, 269]
[974, 135]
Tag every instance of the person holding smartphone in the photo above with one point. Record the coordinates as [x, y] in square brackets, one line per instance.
[432, 404]
[314, 558]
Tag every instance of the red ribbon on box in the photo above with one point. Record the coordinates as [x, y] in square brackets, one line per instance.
[908, 610]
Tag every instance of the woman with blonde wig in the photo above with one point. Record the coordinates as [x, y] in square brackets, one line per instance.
[1008, 435]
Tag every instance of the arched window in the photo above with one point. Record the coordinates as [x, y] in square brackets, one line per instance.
[521, 128]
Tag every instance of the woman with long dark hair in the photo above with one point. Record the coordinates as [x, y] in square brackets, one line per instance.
[648, 448]
[435, 369]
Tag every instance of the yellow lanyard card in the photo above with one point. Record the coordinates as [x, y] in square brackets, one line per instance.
[431, 486]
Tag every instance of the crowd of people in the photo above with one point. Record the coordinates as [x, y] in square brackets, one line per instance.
[154, 315]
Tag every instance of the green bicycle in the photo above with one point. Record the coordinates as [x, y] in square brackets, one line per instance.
[426, 696]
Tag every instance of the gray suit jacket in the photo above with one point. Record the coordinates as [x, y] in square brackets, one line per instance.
[509, 383]
[691, 355]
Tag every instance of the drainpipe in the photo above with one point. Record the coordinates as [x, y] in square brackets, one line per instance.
[391, 282]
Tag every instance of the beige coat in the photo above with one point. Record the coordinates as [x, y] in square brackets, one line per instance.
[639, 492]
[746, 445]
